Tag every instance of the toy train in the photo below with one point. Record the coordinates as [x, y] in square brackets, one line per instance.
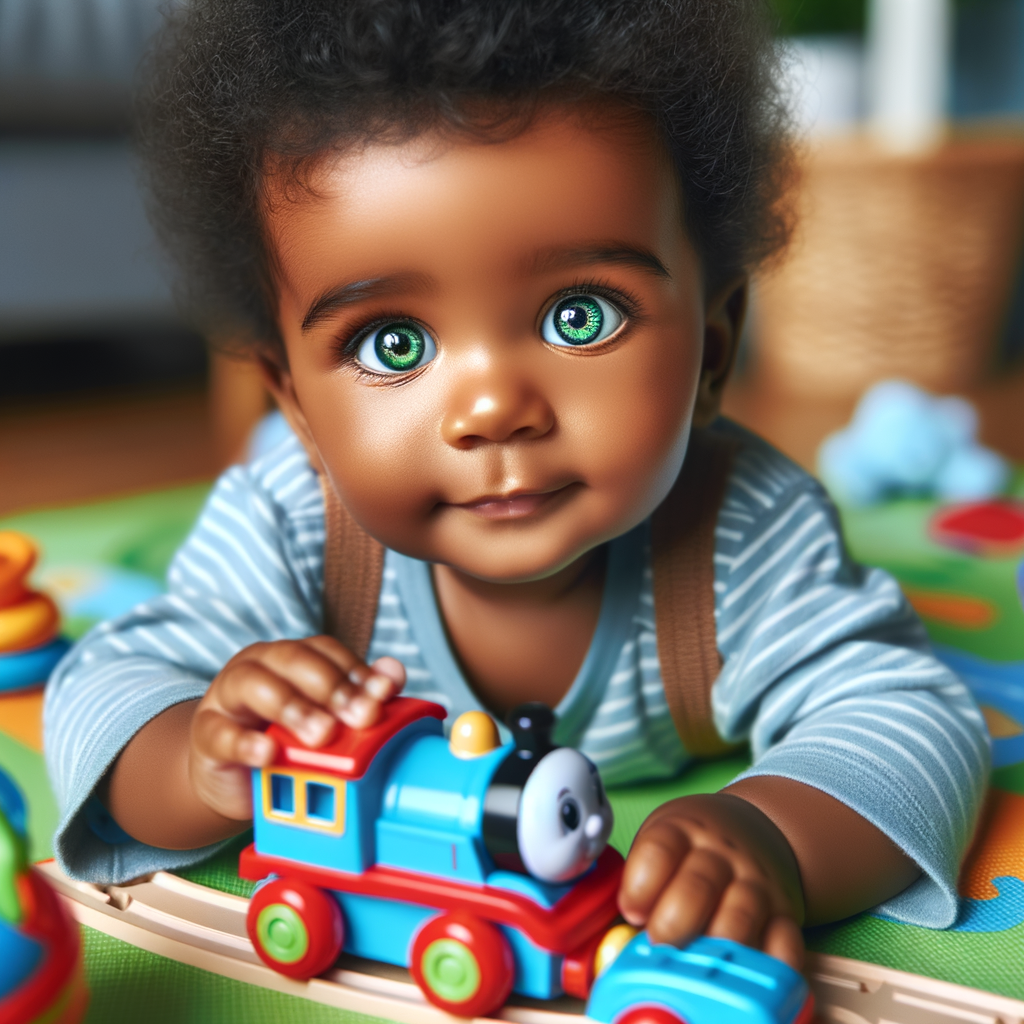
[483, 868]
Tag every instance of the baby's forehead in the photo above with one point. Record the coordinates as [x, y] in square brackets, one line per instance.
[569, 180]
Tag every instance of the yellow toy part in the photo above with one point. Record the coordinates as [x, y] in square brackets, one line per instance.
[473, 735]
[17, 557]
[31, 622]
[614, 942]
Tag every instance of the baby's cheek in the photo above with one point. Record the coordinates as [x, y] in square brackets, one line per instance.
[383, 463]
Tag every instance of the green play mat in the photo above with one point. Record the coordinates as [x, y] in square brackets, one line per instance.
[139, 534]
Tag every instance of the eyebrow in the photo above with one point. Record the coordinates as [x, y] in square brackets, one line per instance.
[341, 296]
[622, 253]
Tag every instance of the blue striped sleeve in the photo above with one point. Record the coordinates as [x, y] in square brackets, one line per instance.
[250, 571]
[828, 673]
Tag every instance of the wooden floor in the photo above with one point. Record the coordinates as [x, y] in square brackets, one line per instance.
[60, 453]
[72, 451]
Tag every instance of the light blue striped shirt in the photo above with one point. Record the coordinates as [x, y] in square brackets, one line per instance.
[826, 670]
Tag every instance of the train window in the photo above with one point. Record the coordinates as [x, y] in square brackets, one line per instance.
[303, 799]
[320, 802]
[282, 794]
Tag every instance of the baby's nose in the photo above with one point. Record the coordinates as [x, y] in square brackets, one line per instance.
[594, 825]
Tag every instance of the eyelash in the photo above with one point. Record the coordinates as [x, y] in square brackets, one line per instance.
[353, 338]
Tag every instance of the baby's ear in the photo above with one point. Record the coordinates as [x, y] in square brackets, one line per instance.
[278, 381]
[723, 324]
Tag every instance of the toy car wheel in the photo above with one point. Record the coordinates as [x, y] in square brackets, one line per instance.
[462, 964]
[649, 1015]
[295, 927]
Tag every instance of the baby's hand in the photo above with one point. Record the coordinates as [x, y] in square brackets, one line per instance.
[716, 864]
[304, 685]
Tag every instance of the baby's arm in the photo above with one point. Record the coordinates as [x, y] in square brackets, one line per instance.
[870, 756]
[183, 780]
[754, 862]
[248, 575]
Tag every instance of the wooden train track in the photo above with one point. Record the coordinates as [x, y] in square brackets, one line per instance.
[195, 925]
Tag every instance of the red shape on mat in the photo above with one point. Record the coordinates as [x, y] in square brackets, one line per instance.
[983, 528]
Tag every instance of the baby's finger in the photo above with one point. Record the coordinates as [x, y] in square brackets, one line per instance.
[690, 900]
[742, 914]
[653, 860]
[249, 689]
[356, 698]
[315, 669]
[220, 739]
[784, 940]
[393, 669]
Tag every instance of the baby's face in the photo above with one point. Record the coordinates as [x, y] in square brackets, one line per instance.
[493, 349]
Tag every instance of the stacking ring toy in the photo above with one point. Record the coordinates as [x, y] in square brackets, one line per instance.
[32, 621]
[17, 557]
[22, 669]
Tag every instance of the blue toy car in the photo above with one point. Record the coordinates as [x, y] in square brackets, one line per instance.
[712, 980]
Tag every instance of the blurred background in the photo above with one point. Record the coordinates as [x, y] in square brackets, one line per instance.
[907, 261]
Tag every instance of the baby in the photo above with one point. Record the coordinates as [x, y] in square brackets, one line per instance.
[493, 258]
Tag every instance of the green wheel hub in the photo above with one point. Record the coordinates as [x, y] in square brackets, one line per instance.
[451, 970]
[282, 933]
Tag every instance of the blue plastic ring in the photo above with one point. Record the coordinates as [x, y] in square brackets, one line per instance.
[22, 669]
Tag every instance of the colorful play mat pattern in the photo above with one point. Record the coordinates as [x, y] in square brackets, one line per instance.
[958, 565]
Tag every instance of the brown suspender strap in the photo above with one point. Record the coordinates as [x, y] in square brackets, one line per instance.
[353, 569]
[683, 549]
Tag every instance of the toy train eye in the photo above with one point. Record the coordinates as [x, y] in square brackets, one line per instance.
[580, 320]
[571, 815]
[396, 348]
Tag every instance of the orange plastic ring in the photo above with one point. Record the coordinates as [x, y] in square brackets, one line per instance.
[17, 557]
[29, 623]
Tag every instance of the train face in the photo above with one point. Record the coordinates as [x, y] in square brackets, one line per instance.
[396, 844]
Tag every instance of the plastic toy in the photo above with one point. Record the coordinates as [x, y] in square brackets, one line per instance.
[483, 868]
[29, 621]
[903, 441]
[394, 845]
[712, 980]
[41, 979]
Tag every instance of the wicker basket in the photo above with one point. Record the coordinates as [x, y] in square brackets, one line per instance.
[900, 267]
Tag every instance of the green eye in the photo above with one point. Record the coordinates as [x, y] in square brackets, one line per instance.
[580, 320]
[396, 348]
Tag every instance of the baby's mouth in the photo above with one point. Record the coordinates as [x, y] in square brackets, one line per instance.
[517, 505]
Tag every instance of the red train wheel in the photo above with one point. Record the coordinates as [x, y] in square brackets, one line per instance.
[295, 927]
[462, 964]
[649, 1015]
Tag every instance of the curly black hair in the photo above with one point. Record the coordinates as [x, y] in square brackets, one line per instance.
[230, 83]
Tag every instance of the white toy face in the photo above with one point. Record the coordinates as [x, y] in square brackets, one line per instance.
[564, 817]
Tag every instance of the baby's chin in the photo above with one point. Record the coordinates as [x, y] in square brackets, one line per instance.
[511, 560]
